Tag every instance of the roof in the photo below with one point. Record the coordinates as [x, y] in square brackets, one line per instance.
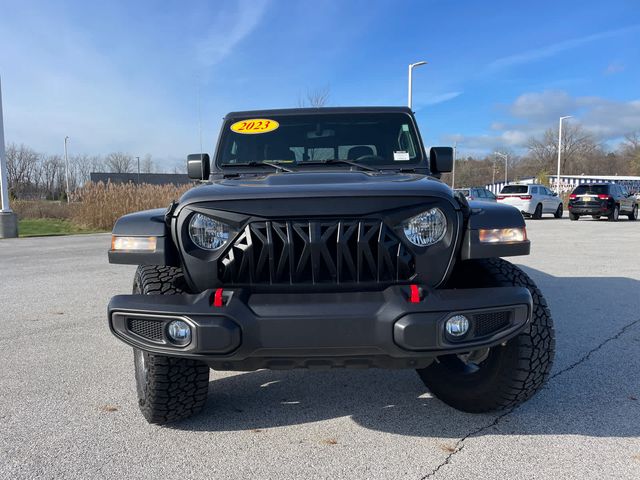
[318, 111]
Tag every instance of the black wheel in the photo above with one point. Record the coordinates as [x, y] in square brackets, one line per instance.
[613, 216]
[537, 214]
[634, 213]
[169, 388]
[595, 217]
[501, 376]
[558, 213]
[573, 216]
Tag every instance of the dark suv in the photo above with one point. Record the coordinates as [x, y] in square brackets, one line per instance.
[602, 200]
[324, 238]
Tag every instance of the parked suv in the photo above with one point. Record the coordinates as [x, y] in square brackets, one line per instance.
[477, 193]
[531, 200]
[602, 200]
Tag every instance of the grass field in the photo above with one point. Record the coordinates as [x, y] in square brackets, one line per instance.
[40, 227]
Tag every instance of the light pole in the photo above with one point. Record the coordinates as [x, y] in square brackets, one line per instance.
[506, 164]
[66, 165]
[559, 151]
[453, 169]
[8, 219]
[411, 67]
[138, 170]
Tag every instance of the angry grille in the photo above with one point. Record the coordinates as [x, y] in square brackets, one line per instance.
[316, 252]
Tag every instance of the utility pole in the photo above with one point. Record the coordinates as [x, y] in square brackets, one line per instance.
[8, 219]
[66, 165]
[453, 169]
[506, 164]
[411, 67]
[559, 152]
[138, 158]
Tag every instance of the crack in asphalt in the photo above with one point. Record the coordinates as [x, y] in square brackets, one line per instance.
[459, 446]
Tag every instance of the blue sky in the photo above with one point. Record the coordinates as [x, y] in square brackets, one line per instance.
[126, 76]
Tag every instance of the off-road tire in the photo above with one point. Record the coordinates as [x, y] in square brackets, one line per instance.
[615, 214]
[573, 216]
[512, 372]
[169, 388]
[634, 213]
[558, 213]
[537, 214]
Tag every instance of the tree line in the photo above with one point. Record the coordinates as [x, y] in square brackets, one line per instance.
[581, 154]
[34, 175]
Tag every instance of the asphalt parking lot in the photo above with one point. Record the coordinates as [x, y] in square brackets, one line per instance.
[68, 408]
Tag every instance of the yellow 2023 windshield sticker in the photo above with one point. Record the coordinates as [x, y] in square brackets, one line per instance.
[252, 126]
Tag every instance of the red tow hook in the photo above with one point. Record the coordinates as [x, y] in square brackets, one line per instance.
[414, 297]
[218, 301]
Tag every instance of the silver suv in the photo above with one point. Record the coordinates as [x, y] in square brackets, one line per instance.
[532, 200]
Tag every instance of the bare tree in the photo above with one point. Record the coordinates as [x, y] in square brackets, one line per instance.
[631, 151]
[147, 165]
[316, 98]
[578, 149]
[22, 168]
[52, 168]
[119, 162]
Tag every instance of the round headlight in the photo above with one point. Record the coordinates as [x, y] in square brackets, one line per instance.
[208, 233]
[427, 228]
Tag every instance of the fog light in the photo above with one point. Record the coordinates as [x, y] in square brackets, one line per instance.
[457, 326]
[179, 332]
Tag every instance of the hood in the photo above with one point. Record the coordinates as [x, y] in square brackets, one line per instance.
[318, 184]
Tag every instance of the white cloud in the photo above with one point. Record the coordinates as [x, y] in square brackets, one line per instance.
[614, 67]
[440, 98]
[554, 49]
[533, 113]
[228, 29]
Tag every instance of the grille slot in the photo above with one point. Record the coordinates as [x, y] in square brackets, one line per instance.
[149, 329]
[316, 252]
[488, 323]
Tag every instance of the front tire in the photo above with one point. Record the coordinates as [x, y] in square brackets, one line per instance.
[634, 213]
[169, 388]
[615, 214]
[503, 376]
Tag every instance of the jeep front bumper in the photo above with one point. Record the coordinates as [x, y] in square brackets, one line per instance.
[320, 330]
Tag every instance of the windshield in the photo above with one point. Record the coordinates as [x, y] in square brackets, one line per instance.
[514, 189]
[592, 189]
[371, 139]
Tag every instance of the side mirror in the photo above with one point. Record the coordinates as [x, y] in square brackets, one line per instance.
[198, 166]
[555, 194]
[441, 159]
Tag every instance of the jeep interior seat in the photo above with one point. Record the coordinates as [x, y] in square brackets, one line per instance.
[279, 152]
[360, 151]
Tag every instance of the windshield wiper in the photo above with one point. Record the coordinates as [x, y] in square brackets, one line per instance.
[333, 161]
[258, 164]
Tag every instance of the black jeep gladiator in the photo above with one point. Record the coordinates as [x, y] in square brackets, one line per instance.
[324, 238]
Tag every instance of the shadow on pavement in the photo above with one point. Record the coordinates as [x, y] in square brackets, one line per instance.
[599, 396]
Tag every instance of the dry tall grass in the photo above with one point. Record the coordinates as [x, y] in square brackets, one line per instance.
[42, 209]
[99, 205]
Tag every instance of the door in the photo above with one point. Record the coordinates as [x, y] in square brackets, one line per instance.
[551, 201]
[626, 201]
